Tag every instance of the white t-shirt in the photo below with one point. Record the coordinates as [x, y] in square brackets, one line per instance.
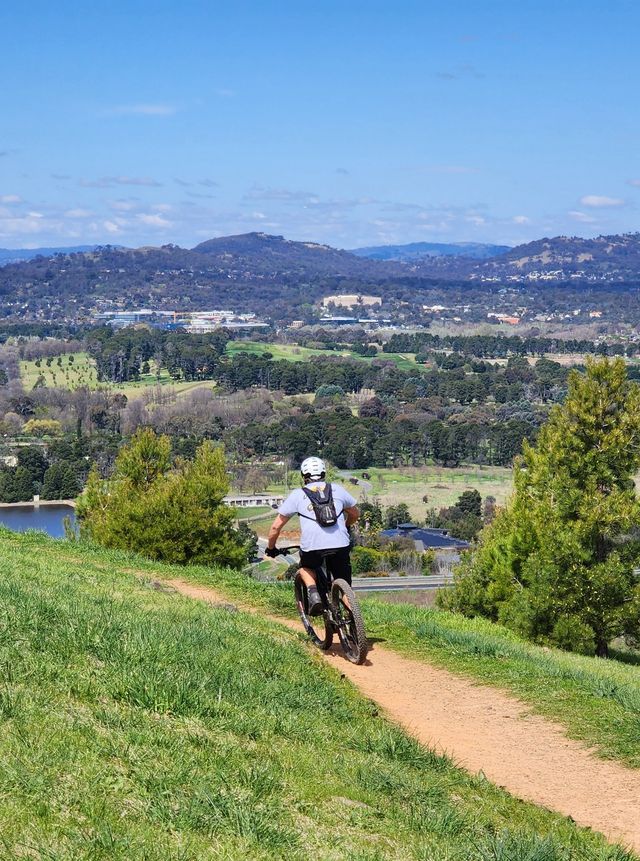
[314, 536]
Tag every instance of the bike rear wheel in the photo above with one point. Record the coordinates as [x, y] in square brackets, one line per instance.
[349, 622]
[319, 628]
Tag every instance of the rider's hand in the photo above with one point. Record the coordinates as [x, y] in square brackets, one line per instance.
[271, 552]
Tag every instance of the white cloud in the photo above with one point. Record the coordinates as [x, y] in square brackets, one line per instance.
[582, 217]
[78, 213]
[634, 182]
[153, 220]
[521, 219]
[260, 192]
[30, 224]
[111, 227]
[10, 198]
[600, 201]
[143, 110]
[122, 205]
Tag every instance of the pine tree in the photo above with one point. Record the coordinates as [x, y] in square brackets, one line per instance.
[60, 482]
[23, 485]
[175, 513]
[558, 563]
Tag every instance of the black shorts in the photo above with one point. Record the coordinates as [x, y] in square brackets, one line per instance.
[338, 561]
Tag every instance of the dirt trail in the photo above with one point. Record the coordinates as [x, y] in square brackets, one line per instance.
[483, 729]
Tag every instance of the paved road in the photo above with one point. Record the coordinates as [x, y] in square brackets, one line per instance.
[400, 584]
[362, 482]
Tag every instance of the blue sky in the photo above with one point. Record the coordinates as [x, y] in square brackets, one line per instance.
[353, 123]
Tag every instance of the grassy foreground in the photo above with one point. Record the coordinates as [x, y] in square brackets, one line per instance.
[141, 725]
[597, 701]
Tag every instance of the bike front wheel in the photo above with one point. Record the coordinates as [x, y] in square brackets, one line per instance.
[348, 622]
[319, 628]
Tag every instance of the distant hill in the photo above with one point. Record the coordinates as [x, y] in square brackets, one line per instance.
[275, 277]
[605, 258]
[264, 253]
[267, 274]
[417, 250]
[15, 255]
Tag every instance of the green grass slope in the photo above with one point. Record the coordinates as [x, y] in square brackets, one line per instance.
[597, 701]
[141, 725]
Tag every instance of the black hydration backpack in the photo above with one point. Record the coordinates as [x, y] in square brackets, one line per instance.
[323, 505]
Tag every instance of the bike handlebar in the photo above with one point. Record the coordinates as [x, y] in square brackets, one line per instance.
[284, 551]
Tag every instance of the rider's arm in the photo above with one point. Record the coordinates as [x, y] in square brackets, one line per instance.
[276, 528]
[352, 515]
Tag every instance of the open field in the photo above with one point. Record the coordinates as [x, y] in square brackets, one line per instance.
[138, 724]
[80, 370]
[68, 371]
[294, 353]
[291, 352]
[254, 511]
[440, 484]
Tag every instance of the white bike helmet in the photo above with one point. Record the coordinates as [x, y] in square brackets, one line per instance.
[312, 469]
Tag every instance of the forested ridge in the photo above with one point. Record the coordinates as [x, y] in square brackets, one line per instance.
[281, 279]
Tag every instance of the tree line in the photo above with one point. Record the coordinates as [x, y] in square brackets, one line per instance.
[355, 442]
[123, 356]
[498, 346]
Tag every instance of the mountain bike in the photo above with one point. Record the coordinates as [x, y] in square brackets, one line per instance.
[341, 613]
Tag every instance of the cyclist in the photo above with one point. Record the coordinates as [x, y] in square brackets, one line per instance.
[326, 512]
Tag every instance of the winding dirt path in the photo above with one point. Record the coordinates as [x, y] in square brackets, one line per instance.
[484, 729]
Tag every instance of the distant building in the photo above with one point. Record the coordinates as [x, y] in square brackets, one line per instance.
[425, 538]
[256, 501]
[201, 326]
[197, 322]
[120, 319]
[435, 309]
[338, 321]
[504, 318]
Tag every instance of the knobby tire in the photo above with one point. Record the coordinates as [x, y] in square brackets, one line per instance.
[352, 634]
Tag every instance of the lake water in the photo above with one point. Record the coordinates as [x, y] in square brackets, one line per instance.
[48, 518]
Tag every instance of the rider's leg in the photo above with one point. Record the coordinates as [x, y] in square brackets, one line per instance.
[308, 577]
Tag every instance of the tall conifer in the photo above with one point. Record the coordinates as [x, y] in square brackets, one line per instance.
[559, 563]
